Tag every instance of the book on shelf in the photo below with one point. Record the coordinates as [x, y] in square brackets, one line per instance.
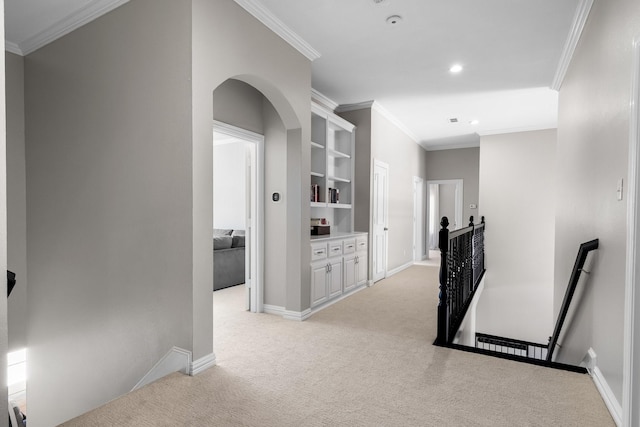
[315, 193]
[334, 195]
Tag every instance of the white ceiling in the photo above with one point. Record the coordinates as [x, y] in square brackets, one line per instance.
[510, 50]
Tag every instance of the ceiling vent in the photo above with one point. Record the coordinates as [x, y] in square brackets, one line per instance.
[453, 120]
[377, 2]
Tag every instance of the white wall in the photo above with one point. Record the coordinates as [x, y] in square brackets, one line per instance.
[16, 201]
[229, 186]
[517, 197]
[447, 205]
[593, 140]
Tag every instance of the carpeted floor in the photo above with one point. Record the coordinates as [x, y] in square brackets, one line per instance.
[365, 361]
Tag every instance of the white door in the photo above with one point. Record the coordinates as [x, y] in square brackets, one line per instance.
[380, 219]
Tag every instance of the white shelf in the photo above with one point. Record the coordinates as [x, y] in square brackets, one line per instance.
[336, 179]
[316, 145]
[338, 154]
[339, 205]
[318, 205]
[319, 175]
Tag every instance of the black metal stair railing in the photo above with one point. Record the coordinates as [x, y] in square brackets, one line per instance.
[461, 269]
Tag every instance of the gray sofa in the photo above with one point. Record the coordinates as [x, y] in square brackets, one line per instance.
[228, 258]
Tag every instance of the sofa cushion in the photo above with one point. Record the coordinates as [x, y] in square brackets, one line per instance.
[222, 232]
[238, 242]
[222, 242]
[237, 233]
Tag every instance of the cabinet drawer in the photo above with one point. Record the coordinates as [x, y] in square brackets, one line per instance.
[335, 248]
[349, 246]
[361, 244]
[318, 251]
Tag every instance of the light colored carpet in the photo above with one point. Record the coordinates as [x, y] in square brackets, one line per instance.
[365, 361]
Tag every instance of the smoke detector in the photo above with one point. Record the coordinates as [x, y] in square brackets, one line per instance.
[394, 20]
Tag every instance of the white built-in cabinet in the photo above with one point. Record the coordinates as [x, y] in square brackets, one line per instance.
[338, 260]
[338, 266]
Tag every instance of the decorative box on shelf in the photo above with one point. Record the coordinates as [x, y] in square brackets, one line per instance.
[320, 227]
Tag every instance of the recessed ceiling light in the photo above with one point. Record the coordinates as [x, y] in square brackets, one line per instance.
[474, 122]
[394, 20]
[456, 68]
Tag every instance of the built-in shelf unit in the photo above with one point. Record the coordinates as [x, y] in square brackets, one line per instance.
[332, 167]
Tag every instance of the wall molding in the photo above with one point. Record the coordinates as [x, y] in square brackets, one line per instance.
[202, 364]
[607, 395]
[375, 105]
[631, 352]
[323, 100]
[297, 315]
[579, 22]
[93, 10]
[264, 15]
[13, 48]
[176, 359]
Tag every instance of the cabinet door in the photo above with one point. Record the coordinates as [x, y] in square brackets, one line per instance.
[362, 268]
[335, 277]
[350, 272]
[318, 283]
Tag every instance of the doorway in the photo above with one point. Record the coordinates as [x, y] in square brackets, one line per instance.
[444, 198]
[380, 219]
[239, 202]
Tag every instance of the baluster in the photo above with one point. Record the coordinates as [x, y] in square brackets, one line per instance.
[443, 320]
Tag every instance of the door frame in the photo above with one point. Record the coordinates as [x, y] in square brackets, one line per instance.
[459, 183]
[385, 207]
[255, 229]
[631, 354]
[419, 214]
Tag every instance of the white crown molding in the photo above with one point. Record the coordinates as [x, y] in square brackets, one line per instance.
[94, 9]
[579, 21]
[324, 100]
[264, 15]
[13, 48]
[455, 146]
[375, 105]
[354, 107]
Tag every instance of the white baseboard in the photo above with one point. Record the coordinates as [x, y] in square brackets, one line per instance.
[399, 269]
[614, 407]
[202, 364]
[304, 315]
[176, 359]
[287, 314]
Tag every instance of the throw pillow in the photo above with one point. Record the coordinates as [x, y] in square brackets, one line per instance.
[222, 242]
[238, 242]
[222, 232]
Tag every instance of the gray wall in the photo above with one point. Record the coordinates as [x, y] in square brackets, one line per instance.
[462, 163]
[517, 196]
[16, 201]
[109, 206]
[362, 173]
[406, 159]
[3, 218]
[229, 43]
[447, 204]
[238, 104]
[378, 138]
[593, 140]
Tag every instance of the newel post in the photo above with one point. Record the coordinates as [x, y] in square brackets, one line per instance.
[443, 321]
